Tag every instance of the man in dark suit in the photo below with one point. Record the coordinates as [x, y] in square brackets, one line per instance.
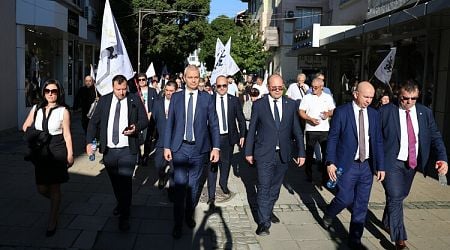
[274, 122]
[192, 130]
[120, 117]
[229, 112]
[355, 145]
[159, 113]
[148, 96]
[410, 134]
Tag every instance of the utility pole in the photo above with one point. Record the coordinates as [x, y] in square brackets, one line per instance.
[142, 14]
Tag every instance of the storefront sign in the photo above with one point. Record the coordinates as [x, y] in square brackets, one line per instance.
[312, 62]
[72, 22]
[379, 7]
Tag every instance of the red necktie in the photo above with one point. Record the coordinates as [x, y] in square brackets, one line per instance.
[412, 161]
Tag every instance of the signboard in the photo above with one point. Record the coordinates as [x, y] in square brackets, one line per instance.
[312, 62]
[380, 7]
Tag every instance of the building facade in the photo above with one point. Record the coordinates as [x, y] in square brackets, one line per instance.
[47, 39]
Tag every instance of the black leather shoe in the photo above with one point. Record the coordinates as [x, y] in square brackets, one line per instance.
[176, 232]
[124, 225]
[116, 211]
[225, 190]
[327, 222]
[262, 230]
[190, 222]
[50, 232]
[212, 205]
[274, 219]
[289, 188]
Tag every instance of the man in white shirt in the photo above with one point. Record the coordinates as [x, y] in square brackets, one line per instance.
[297, 90]
[232, 87]
[315, 109]
[260, 86]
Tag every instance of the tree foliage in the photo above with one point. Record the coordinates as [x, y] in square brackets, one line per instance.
[171, 31]
[247, 48]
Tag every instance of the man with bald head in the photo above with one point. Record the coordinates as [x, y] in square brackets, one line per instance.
[359, 155]
[85, 97]
[274, 124]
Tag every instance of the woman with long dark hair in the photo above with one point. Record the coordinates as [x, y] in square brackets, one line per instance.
[53, 117]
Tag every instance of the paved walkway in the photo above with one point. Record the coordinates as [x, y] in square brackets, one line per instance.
[86, 220]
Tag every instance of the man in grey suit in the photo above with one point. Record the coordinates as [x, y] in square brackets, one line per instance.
[274, 124]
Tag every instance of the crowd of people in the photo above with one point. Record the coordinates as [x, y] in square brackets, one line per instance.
[194, 127]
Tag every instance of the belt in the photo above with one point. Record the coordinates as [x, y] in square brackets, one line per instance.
[224, 134]
[189, 142]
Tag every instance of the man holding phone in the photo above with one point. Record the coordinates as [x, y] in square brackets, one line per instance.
[120, 116]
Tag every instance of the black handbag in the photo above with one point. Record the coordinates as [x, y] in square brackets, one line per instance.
[38, 140]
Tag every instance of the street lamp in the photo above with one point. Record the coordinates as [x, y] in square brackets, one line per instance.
[141, 17]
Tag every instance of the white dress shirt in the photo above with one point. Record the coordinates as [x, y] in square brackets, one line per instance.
[194, 105]
[219, 111]
[403, 153]
[279, 106]
[356, 109]
[123, 123]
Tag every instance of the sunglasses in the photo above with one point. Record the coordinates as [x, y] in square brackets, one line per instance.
[280, 88]
[142, 80]
[221, 86]
[404, 98]
[51, 91]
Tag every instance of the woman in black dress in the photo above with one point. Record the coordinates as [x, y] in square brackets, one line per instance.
[53, 116]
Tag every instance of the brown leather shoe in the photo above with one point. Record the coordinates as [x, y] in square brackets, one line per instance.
[401, 244]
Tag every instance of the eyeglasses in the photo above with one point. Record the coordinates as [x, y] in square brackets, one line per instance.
[279, 88]
[405, 98]
[142, 80]
[315, 87]
[221, 86]
[51, 91]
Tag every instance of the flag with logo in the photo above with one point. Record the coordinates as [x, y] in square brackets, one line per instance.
[224, 63]
[92, 74]
[150, 71]
[113, 54]
[384, 70]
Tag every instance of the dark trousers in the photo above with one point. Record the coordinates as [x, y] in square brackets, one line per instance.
[397, 185]
[313, 137]
[187, 165]
[270, 178]
[354, 188]
[84, 122]
[161, 163]
[226, 152]
[149, 134]
[119, 164]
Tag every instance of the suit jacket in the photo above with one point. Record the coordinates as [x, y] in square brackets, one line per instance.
[206, 125]
[343, 139]
[234, 113]
[262, 136]
[136, 116]
[429, 136]
[152, 95]
[159, 114]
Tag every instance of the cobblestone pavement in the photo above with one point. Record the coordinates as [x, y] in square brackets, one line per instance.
[86, 220]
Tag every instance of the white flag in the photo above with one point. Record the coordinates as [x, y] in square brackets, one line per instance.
[266, 77]
[113, 54]
[384, 71]
[225, 64]
[92, 74]
[150, 71]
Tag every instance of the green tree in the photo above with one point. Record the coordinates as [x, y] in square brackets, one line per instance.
[247, 48]
[172, 31]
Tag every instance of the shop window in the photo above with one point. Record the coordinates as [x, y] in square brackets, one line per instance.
[305, 17]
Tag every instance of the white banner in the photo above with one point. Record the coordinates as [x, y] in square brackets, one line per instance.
[150, 71]
[225, 64]
[384, 70]
[113, 54]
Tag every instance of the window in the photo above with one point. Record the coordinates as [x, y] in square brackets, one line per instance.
[305, 17]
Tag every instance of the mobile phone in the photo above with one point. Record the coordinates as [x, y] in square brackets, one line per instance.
[127, 128]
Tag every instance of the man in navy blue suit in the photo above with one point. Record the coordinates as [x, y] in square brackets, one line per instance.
[120, 116]
[159, 113]
[192, 130]
[229, 113]
[410, 134]
[354, 144]
[274, 124]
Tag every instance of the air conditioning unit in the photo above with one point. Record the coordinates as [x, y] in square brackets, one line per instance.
[290, 14]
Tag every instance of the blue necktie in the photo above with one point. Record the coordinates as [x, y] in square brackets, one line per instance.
[115, 134]
[190, 119]
[277, 114]
[224, 117]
